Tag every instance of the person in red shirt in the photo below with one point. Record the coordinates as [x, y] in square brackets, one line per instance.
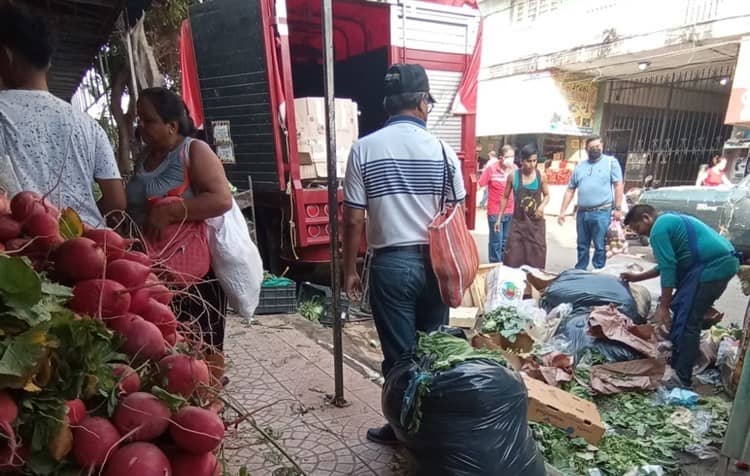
[715, 174]
[494, 177]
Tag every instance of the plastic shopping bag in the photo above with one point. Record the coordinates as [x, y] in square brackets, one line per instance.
[616, 241]
[504, 287]
[235, 260]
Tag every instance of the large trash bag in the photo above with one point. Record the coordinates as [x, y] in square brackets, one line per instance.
[471, 419]
[582, 289]
[579, 341]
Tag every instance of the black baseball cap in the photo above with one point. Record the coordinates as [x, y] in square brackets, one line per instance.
[407, 78]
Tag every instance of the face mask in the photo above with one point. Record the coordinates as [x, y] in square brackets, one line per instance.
[508, 161]
[594, 154]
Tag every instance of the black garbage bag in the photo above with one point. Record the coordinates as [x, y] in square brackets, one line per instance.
[574, 331]
[468, 420]
[582, 289]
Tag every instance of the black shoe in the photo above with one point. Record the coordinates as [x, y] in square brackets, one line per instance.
[383, 435]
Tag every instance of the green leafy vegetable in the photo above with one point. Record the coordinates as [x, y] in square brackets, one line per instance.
[506, 321]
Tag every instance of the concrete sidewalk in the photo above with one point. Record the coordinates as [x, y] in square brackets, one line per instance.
[283, 376]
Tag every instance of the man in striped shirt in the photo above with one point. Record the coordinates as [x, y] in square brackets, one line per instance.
[397, 176]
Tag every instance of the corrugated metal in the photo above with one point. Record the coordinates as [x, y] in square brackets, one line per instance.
[431, 27]
[230, 55]
[447, 126]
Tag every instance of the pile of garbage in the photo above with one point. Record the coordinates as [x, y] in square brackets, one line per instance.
[589, 335]
[576, 359]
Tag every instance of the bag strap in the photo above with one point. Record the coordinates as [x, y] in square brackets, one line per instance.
[447, 177]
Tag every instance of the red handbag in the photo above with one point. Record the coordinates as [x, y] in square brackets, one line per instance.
[183, 249]
[453, 252]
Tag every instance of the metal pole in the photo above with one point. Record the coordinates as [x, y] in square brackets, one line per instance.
[333, 205]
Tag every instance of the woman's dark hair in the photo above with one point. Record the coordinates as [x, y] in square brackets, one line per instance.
[26, 34]
[171, 108]
[715, 160]
[527, 151]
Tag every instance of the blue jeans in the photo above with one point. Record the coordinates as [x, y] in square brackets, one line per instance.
[405, 298]
[592, 226]
[498, 239]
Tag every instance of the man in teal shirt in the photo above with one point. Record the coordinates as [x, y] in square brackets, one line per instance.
[695, 261]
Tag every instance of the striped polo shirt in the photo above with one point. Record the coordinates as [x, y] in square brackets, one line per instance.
[398, 175]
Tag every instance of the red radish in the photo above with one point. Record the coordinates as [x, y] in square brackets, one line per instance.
[2, 248]
[141, 459]
[139, 257]
[144, 413]
[20, 245]
[11, 458]
[44, 228]
[161, 293]
[120, 323]
[139, 300]
[25, 204]
[152, 279]
[79, 259]
[8, 407]
[171, 338]
[92, 440]
[129, 380]
[110, 240]
[144, 340]
[9, 228]
[183, 375]
[128, 273]
[76, 411]
[196, 430]
[187, 464]
[162, 316]
[90, 294]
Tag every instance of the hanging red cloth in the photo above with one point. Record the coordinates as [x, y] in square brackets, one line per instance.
[466, 97]
[191, 92]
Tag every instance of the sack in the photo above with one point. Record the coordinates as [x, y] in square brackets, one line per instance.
[574, 334]
[584, 290]
[473, 419]
[453, 253]
[183, 248]
[504, 287]
[235, 260]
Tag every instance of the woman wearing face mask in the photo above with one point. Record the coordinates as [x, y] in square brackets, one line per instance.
[494, 177]
[715, 174]
[166, 129]
[527, 243]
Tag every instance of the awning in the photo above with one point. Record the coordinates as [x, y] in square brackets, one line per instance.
[738, 111]
[536, 103]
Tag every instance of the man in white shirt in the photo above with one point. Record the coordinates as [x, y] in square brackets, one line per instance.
[398, 175]
[46, 145]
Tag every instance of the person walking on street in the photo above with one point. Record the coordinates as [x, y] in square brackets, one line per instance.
[491, 160]
[714, 174]
[397, 177]
[598, 181]
[692, 259]
[527, 243]
[494, 178]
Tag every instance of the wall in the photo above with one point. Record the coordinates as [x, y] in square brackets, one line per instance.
[529, 35]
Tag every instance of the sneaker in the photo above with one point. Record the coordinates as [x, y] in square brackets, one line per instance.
[383, 435]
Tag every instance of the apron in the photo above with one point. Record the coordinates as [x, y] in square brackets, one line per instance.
[687, 286]
[527, 241]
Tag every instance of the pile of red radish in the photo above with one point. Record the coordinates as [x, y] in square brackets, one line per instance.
[145, 435]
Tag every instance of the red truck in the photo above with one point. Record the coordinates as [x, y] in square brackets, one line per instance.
[249, 59]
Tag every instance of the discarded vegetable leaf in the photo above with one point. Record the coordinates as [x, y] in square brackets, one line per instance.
[70, 223]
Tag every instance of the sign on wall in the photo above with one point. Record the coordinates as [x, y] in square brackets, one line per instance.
[738, 111]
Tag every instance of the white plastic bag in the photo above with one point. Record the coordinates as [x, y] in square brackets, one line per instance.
[505, 287]
[235, 260]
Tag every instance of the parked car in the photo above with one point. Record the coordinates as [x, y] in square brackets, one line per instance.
[725, 209]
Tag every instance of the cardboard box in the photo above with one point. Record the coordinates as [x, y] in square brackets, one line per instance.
[463, 317]
[556, 407]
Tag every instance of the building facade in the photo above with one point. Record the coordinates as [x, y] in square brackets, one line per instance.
[652, 77]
